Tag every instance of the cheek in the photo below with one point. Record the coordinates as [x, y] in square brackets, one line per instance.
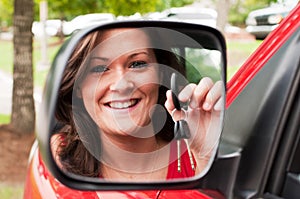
[90, 92]
[150, 85]
[151, 91]
[149, 79]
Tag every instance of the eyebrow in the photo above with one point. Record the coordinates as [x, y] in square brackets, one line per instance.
[130, 56]
[138, 53]
[101, 58]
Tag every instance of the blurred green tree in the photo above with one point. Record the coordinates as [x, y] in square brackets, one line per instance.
[6, 10]
[65, 10]
[129, 7]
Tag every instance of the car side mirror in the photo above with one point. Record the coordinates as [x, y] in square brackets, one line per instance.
[134, 105]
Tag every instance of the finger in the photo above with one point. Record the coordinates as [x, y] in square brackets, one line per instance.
[219, 105]
[200, 92]
[176, 114]
[213, 95]
[169, 102]
[187, 92]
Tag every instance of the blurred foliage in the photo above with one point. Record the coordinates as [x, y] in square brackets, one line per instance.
[6, 10]
[63, 9]
[129, 7]
[175, 3]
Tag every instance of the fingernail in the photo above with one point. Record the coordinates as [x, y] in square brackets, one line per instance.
[182, 97]
[193, 104]
[206, 106]
[218, 106]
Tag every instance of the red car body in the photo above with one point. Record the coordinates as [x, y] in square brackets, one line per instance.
[41, 184]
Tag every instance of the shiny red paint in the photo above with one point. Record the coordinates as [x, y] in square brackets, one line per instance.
[41, 184]
[258, 59]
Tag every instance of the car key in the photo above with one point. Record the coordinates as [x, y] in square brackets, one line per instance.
[181, 129]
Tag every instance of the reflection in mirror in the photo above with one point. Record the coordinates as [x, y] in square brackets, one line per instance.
[117, 113]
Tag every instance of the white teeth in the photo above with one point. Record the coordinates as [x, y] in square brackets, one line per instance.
[121, 105]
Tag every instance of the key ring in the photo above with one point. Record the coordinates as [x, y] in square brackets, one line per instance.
[183, 114]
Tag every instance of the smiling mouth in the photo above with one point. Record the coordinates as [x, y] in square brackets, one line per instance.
[122, 104]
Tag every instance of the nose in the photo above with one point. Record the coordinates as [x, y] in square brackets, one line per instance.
[122, 82]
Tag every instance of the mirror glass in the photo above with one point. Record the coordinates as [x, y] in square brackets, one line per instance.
[118, 120]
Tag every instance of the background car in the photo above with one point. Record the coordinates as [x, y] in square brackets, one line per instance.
[262, 21]
[84, 21]
[197, 15]
[53, 27]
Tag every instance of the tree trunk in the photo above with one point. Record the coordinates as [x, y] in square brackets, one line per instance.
[223, 7]
[23, 111]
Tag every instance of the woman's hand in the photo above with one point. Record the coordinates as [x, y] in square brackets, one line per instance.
[203, 115]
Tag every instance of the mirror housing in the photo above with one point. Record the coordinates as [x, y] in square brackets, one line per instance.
[47, 123]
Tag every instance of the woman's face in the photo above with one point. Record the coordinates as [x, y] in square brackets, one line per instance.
[122, 83]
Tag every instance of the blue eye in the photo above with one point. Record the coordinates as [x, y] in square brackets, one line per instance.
[99, 69]
[138, 64]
